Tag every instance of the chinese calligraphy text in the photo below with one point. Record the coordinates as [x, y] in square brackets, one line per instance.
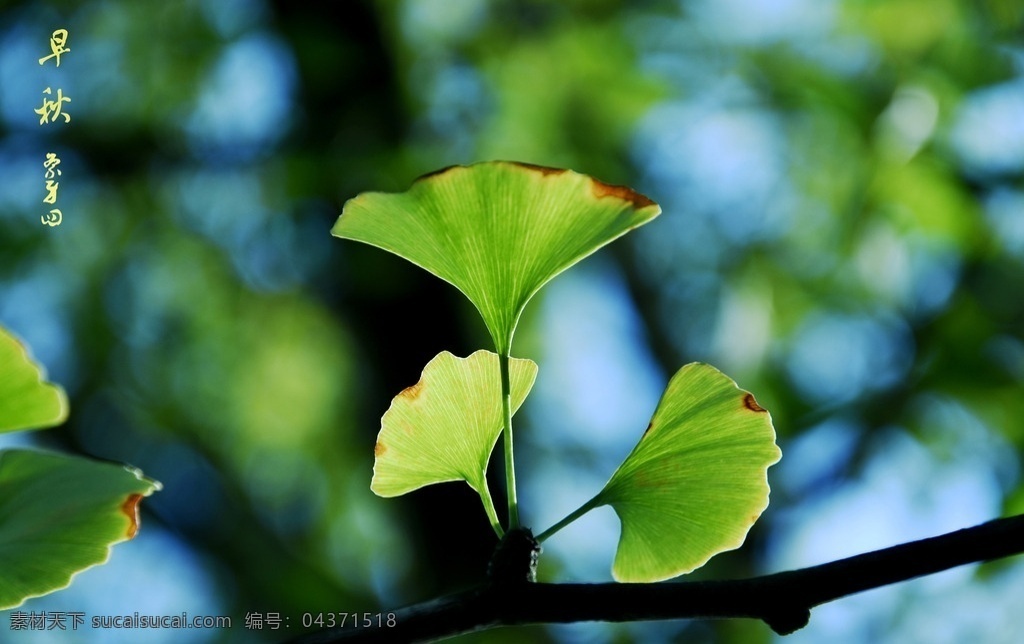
[49, 112]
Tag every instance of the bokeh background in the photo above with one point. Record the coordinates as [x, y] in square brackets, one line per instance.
[843, 234]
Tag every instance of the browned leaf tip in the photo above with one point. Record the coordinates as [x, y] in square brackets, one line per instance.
[412, 393]
[751, 404]
[130, 507]
[599, 188]
[602, 189]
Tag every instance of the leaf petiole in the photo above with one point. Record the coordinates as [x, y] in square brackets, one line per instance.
[506, 414]
[575, 514]
[492, 514]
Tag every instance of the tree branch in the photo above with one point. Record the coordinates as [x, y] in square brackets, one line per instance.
[782, 600]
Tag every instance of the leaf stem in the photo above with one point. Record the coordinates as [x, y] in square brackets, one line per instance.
[575, 514]
[492, 514]
[510, 470]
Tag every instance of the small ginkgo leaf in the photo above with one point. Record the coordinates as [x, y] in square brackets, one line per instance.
[444, 427]
[26, 400]
[498, 231]
[60, 515]
[697, 480]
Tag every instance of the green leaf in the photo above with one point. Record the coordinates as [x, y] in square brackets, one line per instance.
[498, 231]
[26, 401]
[697, 480]
[60, 515]
[444, 427]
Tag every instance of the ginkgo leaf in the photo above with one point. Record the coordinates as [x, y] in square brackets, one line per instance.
[59, 515]
[498, 231]
[697, 480]
[26, 400]
[444, 427]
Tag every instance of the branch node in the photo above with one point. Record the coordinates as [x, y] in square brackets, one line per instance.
[787, 620]
[515, 558]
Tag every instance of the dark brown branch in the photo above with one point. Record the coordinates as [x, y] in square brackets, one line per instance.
[782, 600]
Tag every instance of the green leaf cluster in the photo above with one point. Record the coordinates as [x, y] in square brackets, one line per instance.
[498, 231]
[59, 514]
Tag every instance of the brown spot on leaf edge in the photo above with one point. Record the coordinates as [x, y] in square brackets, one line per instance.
[602, 189]
[751, 404]
[130, 507]
[599, 188]
[412, 393]
[378, 449]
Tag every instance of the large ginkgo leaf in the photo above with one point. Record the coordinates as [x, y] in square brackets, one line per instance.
[498, 230]
[60, 515]
[444, 427]
[697, 480]
[26, 400]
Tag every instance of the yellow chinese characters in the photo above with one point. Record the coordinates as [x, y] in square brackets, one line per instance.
[51, 163]
[52, 109]
[52, 218]
[49, 112]
[58, 39]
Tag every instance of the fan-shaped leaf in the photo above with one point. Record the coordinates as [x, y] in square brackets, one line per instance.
[697, 480]
[444, 427]
[60, 515]
[498, 230]
[26, 401]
